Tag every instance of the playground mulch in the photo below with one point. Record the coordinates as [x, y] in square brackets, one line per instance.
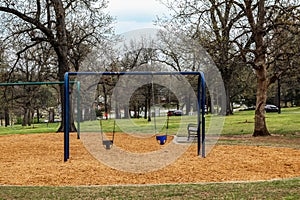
[37, 159]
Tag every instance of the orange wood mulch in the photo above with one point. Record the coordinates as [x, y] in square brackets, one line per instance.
[37, 159]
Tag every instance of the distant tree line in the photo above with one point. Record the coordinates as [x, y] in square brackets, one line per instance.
[254, 44]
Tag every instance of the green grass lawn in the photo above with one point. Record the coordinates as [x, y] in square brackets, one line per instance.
[284, 189]
[241, 122]
[286, 123]
[34, 128]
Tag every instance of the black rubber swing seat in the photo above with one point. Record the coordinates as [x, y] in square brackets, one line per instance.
[107, 143]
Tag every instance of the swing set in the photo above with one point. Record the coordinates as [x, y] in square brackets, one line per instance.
[161, 138]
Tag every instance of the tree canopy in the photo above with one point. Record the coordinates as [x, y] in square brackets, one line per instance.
[59, 26]
[255, 34]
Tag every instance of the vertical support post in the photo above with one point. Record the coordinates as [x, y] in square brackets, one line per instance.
[203, 98]
[66, 121]
[198, 115]
[78, 110]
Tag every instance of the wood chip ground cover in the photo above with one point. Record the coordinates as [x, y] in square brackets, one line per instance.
[37, 160]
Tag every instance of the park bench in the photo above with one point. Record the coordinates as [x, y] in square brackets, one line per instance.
[192, 130]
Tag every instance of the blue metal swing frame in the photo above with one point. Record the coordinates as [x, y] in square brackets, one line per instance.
[200, 108]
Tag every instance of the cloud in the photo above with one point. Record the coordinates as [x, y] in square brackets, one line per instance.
[124, 26]
[135, 14]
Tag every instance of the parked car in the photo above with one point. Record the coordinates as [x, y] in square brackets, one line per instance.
[175, 113]
[271, 108]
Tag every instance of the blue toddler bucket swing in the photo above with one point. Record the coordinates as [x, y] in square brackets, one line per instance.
[161, 139]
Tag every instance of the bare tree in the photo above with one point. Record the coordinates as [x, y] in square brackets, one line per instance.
[263, 21]
[50, 21]
[240, 32]
[3, 92]
[211, 24]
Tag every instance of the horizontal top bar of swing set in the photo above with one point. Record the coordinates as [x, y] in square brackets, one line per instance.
[135, 73]
[34, 83]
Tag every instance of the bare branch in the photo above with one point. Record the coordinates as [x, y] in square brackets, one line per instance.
[38, 12]
[30, 20]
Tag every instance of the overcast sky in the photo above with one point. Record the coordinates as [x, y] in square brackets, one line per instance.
[135, 14]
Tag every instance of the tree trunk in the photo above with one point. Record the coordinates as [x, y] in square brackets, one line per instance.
[138, 111]
[146, 108]
[72, 126]
[229, 110]
[30, 117]
[260, 128]
[258, 31]
[126, 112]
[149, 109]
[38, 115]
[188, 105]
[26, 117]
[61, 49]
[6, 117]
[117, 112]
[51, 115]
